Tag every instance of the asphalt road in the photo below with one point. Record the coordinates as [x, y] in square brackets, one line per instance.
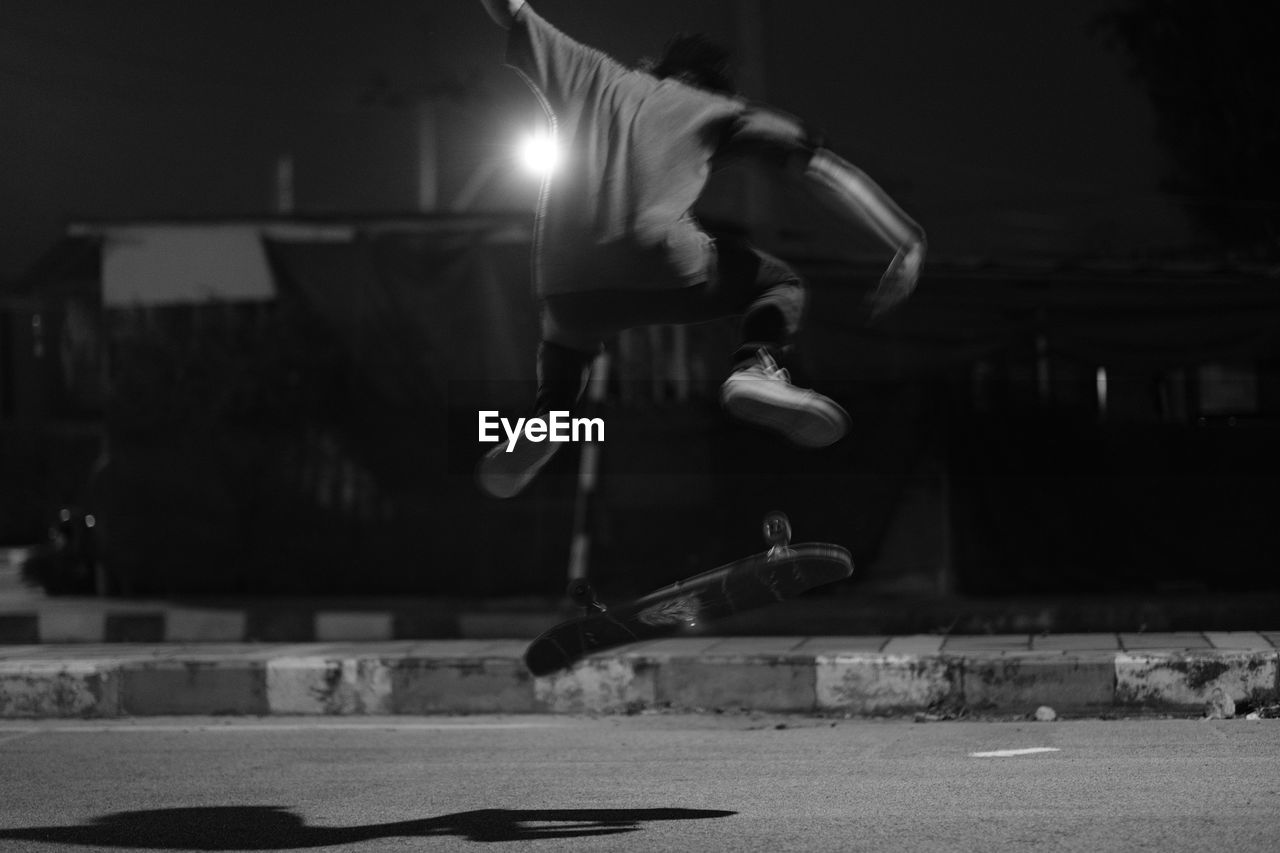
[651, 783]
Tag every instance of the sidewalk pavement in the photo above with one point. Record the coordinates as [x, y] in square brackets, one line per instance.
[1100, 674]
[28, 617]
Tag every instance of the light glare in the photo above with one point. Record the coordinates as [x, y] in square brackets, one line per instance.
[538, 153]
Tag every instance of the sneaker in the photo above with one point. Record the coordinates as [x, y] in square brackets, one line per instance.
[500, 474]
[761, 393]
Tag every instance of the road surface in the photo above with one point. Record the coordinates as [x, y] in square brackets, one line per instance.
[648, 782]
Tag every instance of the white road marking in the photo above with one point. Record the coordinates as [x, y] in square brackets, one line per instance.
[1009, 753]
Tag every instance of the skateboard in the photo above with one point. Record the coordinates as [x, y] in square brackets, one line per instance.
[784, 571]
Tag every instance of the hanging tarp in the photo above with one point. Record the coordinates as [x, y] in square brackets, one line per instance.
[174, 264]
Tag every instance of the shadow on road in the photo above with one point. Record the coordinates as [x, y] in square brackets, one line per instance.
[277, 828]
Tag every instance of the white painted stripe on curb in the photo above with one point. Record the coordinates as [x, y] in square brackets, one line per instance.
[317, 685]
[1010, 753]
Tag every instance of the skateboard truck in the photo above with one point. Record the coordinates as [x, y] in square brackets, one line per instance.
[583, 594]
[777, 533]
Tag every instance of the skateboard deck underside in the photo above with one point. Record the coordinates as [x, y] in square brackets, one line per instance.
[746, 584]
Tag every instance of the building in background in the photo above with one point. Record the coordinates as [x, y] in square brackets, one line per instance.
[288, 406]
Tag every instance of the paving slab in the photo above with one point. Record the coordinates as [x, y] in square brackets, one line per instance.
[255, 652]
[1238, 641]
[411, 648]
[93, 652]
[672, 647]
[744, 647]
[1180, 640]
[986, 642]
[1077, 642]
[841, 645]
[914, 644]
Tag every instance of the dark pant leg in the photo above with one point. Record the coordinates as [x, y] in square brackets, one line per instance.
[765, 291]
[771, 293]
[562, 376]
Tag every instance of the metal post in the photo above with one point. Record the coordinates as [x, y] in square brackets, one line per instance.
[428, 156]
[588, 464]
[284, 185]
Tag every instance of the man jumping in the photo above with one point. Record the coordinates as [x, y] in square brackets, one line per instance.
[616, 245]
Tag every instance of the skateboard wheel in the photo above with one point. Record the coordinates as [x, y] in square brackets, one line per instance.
[581, 592]
[777, 529]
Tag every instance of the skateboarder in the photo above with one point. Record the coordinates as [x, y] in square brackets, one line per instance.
[616, 245]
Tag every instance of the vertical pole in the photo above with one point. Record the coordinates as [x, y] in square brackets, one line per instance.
[947, 570]
[1100, 380]
[427, 156]
[6, 364]
[679, 369]
[1044, 377]
[284, 185]
[588, 464]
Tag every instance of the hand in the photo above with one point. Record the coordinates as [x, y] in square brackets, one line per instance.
[898, 281]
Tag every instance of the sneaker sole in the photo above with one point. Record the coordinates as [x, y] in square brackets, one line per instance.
[821, 424]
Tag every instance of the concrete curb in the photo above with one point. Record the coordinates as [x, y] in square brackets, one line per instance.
[757, 674]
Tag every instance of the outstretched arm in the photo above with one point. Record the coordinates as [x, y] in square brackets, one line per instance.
[852, 193]
[503, 12]
[784, 140]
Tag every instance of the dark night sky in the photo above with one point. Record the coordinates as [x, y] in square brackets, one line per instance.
[1002, 125]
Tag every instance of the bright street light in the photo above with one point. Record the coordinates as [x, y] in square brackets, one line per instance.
[539, 154]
